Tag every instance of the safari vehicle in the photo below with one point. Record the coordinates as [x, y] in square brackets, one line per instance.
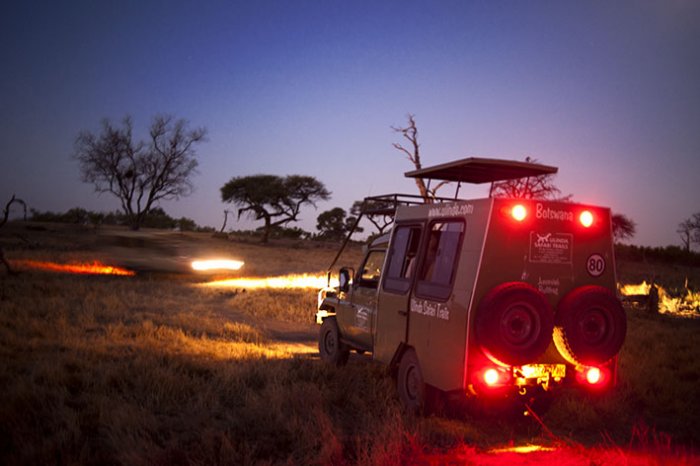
[488, 297]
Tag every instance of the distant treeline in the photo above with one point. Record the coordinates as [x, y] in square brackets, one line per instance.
[667, 254]
[156, 218]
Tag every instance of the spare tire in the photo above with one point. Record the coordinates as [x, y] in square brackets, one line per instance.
[590, 325]
[514, 323]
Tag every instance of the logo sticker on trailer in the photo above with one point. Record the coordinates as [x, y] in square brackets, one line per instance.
[551, 248]
[595, 265]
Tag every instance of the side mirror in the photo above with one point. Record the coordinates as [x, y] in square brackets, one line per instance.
[344, 280]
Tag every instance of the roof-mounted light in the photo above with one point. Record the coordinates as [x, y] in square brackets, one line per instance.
[586, 218]
[519, 212]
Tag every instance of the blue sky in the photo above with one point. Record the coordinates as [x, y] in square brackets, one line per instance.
[606, 91]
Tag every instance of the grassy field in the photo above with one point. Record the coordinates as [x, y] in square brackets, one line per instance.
[157, 369]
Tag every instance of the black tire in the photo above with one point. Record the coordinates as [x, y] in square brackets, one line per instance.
[590, 325]
[514, 323]
[410, 384]
[331, 349]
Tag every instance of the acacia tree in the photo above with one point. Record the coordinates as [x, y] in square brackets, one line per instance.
[369, 209]
[410, 133]
[531, 187]
[334, 224]
[275, 200]
[140, 173]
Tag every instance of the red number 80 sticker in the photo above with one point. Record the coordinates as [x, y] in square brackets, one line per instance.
[595, 265]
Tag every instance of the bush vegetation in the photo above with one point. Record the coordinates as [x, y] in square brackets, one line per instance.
[674, 255]
[156, 218]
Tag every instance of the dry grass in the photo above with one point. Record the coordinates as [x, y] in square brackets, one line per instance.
[148, 371]
[154, 370]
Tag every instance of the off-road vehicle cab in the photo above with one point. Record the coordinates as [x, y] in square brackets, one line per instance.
[481, 297]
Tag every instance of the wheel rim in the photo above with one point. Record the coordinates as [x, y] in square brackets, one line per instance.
[329, 343]
[594, 326]
[520, 325]
[412, 383]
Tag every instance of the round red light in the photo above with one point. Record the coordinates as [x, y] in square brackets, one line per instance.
[519, 212]
[593, 375]
[586, 218]
[491, 376]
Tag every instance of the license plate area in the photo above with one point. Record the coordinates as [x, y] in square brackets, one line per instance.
[539, 374]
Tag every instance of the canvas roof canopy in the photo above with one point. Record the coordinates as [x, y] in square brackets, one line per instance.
[482, 170]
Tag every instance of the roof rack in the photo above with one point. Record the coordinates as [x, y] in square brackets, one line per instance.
[386, 204]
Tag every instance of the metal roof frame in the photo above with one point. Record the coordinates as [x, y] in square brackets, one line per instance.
[482, 170]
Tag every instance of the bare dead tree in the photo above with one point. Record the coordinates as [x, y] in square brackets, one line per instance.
[3, 221]
[689, 231]
[410, 133]
[140, 173]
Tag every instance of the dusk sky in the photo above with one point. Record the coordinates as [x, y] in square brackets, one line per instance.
[608, 91]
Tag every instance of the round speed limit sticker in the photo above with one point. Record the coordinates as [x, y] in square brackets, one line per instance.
[595, 265]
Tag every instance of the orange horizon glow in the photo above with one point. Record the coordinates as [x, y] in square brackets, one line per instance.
[93, 268]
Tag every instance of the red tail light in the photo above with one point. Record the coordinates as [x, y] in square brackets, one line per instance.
[491, 377]
[586, 218]
[593, 375]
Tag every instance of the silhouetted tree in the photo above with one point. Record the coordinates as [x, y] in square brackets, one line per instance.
[623, 227]
[380, 221]
[335, 224]
[3, 221]
[410, 133]
[223, 227]
[275, 200]
[689, 231]
[531, 187]
[186, 224]
[140, 173]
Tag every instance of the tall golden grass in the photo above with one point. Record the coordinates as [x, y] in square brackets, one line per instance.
[154, 370]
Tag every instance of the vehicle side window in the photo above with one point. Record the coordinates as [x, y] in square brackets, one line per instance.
[402, 259]
[371, 270]
[440, 260]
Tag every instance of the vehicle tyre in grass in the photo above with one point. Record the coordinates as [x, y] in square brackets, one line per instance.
[514, 323]
[590, 325]
[410, 384]
[331, 349]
